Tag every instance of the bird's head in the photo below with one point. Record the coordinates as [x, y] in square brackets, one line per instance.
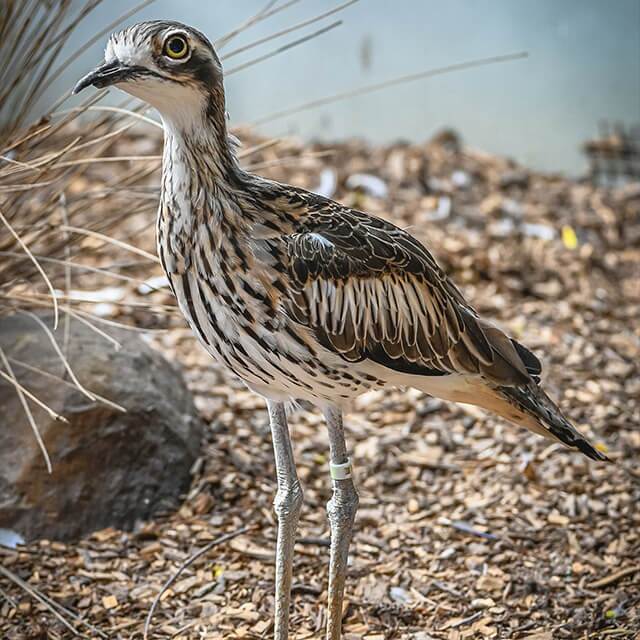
[169, 65]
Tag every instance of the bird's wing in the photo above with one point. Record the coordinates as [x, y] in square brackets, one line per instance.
[370, 290]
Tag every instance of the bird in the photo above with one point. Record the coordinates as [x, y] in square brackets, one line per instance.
[303, 298]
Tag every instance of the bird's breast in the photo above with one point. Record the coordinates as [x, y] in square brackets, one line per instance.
[234, 291]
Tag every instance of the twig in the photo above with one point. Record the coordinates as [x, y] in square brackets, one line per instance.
[36, 595]
[100, 160]
[465, 527]
[67, 269]
[84, 267]
[266, 12]
[103, 334]
[614, 577]
[255, 18]
[127, 112]
[466, 620]
[77, 617]
[8, 598]
[186, 627]
[12, 380]
[447, 589]
[42, 162]
[29, 136]
[183, 566]
[267, 144]
[122, 325]
[34, 300]
[85, 300]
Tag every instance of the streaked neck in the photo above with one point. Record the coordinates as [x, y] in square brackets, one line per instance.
[201, 140]
[201, 179]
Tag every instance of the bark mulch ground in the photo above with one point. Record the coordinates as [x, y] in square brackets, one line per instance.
[468, 527]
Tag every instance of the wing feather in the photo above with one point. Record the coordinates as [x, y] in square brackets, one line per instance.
[370, 290]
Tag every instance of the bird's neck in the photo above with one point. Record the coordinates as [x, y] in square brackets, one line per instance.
[201, 180]
[196, 134]
[203, 187]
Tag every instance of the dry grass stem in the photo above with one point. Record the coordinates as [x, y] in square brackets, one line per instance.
[12, 380]
[58, 351]
[52, 376]
[283, 48]
[378, 86]
[190, 560]
[26, 249]
[283, 32]
[27, 410]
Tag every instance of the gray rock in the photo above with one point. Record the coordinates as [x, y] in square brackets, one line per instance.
[110, 468]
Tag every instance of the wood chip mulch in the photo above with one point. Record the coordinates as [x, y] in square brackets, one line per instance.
[468, 527]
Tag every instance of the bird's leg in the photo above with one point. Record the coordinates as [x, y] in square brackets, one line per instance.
[287, 506]
[341, 510]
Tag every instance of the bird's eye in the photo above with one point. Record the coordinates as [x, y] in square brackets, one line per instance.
[176, 47]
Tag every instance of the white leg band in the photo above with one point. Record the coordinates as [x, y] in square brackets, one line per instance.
[340, 471]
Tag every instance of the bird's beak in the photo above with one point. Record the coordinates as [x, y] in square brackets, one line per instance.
[104, 75]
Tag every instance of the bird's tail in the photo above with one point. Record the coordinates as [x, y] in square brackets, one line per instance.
[526, 405]
[540, 414]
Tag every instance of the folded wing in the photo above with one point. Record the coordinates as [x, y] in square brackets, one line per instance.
[369, 290]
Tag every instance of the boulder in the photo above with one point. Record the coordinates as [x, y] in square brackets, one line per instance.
[111, 465]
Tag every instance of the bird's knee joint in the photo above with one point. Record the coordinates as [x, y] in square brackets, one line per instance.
[288, 501]
[344, 502]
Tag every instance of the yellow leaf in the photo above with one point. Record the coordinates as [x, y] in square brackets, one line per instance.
[569, 237]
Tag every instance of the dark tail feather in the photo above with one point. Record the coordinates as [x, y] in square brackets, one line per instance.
[532, 400]
[531, 362]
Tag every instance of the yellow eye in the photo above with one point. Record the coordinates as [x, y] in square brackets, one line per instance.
[176, 47]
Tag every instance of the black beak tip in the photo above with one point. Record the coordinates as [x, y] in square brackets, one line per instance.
[83, 83]
[106, 74]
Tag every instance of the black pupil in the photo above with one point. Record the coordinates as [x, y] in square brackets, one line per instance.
[177, 45]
